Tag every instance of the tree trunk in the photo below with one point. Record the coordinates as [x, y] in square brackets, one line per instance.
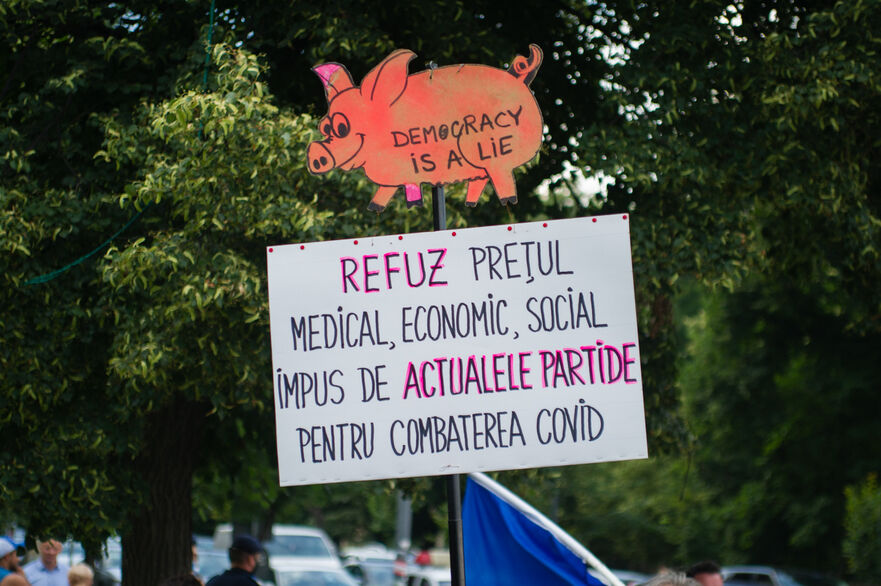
[158, 542]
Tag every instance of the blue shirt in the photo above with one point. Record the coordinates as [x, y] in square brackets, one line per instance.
[38, 575]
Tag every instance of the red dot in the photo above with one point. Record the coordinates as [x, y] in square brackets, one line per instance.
[624, 217]
[510, 228]
[594, 219]
[270, 250]
[356, 242]
[302, 247]
[545, 225]
[454, 233]
[400, 237]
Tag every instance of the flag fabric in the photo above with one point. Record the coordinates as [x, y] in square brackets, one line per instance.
[507, 542]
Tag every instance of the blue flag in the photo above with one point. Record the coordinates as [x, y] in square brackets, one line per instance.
[506, 545]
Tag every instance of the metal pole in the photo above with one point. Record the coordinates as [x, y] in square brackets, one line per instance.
[454, 512]
[403, 522]
[438, 207]
[454, 491]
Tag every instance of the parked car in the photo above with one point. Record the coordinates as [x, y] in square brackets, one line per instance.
[211, 562]
[368, 551]
[112, 560]
[372, 564]
[372, 572]
[627, 577]
[301, 545]
[772, 576]
[429, 576]
[304, 574]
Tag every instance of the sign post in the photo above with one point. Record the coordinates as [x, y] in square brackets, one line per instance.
[455, 351]
[454, 515]
[448, 352]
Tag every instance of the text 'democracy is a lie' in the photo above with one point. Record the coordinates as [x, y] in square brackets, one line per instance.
[455, 351]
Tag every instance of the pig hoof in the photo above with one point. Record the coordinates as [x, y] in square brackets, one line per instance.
[506, 200]
[375, 207]
[411, 204]
[471, 204]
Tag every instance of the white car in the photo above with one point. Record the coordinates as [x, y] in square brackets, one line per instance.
[369, 551]
[302, 574]
[771, 576]
[299, 545]
[627, 577]
[429, 576]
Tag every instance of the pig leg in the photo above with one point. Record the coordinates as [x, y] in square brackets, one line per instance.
[381, 198]
[475, 188]
[503, 183]
[414, 194]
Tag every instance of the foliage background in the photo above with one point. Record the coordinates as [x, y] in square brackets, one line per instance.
[742, 137]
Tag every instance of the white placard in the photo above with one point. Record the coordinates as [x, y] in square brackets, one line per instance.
[455, 351]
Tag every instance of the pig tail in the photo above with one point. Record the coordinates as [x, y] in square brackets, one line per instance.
[525, 68]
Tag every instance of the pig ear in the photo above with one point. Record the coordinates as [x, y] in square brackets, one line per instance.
[386, 82]
[335, 78]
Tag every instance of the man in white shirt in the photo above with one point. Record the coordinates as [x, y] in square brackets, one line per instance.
[45, 570]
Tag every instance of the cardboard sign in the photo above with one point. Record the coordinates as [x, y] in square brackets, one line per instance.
[455, 351]
[451, 124]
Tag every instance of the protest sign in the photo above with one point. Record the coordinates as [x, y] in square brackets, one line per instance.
[455, 351]
[459, 123]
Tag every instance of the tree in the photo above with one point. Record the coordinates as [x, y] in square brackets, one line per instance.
[862, 533]
[778, 393]
[792, 85]
[63, 471]
[741, 137]
[130, 366]
[106, 360]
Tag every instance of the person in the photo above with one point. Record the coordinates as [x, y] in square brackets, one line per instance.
[672, 579]
[244, 555]
[400, 565]
[194, 561]
[11, 573]
[46, 570]
[80, 575]
[423, 558]
[707, 573]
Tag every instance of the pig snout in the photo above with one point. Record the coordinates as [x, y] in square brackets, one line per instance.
[320, 159]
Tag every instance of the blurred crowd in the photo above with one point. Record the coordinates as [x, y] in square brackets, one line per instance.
[45, 570]
[245, 555]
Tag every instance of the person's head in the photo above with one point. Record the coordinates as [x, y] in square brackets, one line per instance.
[245, 553]
[80, 575]
[49, 550]
[8, 553]
[706, 573]
[672, 579]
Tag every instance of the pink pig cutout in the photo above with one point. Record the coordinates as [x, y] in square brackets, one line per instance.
[458, 123]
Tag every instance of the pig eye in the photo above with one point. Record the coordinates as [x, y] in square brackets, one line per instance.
[326, 128]
[340, 125]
